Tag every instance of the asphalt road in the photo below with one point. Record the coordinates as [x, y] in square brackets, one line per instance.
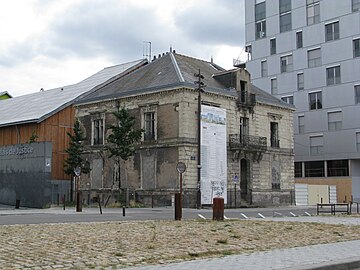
[9, 216]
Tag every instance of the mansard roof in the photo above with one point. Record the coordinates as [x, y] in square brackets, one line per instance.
[38, 106]
[170, 71]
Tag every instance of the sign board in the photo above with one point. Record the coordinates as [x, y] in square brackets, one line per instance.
[181, 167]
[77, 171]
[236, 179]
[213, 154]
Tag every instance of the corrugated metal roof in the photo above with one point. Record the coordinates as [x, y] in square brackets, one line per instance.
[38, 106]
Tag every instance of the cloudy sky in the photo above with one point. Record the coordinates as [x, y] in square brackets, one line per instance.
[52, 43]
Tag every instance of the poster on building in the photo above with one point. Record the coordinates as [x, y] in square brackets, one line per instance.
[213, 178]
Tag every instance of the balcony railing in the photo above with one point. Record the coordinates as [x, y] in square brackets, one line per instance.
[247, 142]
[246, 100]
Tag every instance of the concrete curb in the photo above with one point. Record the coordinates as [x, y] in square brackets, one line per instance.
[345, 264]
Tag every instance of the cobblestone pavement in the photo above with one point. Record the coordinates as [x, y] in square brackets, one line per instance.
[310, 257]
[115, 245]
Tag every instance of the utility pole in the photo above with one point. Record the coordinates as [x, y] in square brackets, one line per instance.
[200, 88]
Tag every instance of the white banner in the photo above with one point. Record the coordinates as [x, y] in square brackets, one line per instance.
[213, 181]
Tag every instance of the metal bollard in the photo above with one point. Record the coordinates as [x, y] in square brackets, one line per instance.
[178, 210]
[218, 209]
[123, 211]
[17, 204]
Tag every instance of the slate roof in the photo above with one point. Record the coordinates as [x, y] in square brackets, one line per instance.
[172, 70]
[38, 106]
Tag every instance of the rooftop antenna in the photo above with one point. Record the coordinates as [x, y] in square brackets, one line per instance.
[147, 50]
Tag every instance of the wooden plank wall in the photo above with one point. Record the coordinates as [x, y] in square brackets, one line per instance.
[54, 129]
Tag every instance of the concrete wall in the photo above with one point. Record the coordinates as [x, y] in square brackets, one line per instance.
[25, 171]
[334, 97]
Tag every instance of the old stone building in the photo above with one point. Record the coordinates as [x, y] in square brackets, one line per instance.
[246, 137]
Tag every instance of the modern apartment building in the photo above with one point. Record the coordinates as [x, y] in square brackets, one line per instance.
[307, 52]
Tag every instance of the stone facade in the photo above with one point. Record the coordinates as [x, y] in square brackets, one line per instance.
[151, 174]
[162, 95]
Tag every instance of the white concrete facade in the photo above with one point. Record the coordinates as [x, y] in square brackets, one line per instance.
[328, 61]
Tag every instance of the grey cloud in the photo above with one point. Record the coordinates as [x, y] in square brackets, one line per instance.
[115, 30]
[220, 22]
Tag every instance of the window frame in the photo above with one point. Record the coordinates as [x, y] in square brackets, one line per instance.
[289, 66]
[149, 135]
[260, 21]
[314, 7]
[317, 102]
[299, 39]
[288, 99]
[264, 68]
[299, 82]
[357, 141]
[301, 124]
[310, 166]
[334, 125]
[357, 93]
[356, 47]
[272, 46]
[355, 5]
[336, 168]
[274, 90]
[331, 75]
[98, 131]
[274, 135]
[283, 18]
[332, 31]
[316, 148]
[314, 61]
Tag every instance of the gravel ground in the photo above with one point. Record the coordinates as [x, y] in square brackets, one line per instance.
[112, 245]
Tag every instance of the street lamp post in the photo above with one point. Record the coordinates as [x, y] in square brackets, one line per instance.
[77, 172]
[200, 88]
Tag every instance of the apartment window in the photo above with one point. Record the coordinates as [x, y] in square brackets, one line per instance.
[260, 22]
[149, 126]
[333, 75]
[316, 145]
[244, 128]
[355, 5]
[285, 15]
[315, 101]
[264, 70]
[312, 11]
[358, 141]
[298, 169]
[272, 46]
[301, 123]
[300, 81]
[332, 31]
[249, 51]
[314, 58]
[356, 47]
[314, 169]
[334, 121]
[288, 99]
[299, 40]
[338, 167]
[274, 135]
[274, 86]
[286, 63]
[98, 131]
[357, 94]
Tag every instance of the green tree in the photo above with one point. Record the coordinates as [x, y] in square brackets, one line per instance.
[75, 151]
[33, 138]
[123, 138]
